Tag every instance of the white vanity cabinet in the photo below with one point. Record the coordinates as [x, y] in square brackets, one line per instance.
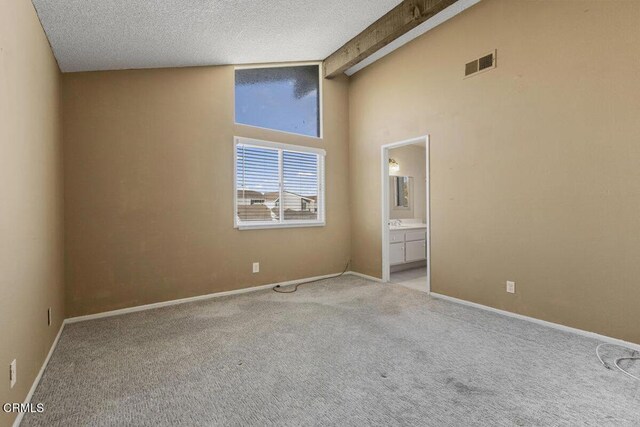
[415, 251]
[396, 254]
[407, 245]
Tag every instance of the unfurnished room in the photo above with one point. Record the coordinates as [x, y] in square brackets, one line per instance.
[320, 213]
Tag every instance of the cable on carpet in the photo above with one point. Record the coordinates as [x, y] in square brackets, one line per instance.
[617, 361]
[295, 288]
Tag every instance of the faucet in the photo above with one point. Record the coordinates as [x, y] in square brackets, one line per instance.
[395, 223]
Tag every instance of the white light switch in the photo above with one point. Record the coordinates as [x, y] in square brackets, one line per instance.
[511, 287]
[256, 267]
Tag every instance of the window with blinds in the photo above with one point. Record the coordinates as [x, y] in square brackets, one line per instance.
[278, 185]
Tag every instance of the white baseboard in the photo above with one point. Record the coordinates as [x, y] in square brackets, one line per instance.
[36, 381]
[558, 326]
[364, 276]
[192, 299]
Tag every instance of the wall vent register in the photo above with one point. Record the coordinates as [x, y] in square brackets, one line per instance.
[484, 63]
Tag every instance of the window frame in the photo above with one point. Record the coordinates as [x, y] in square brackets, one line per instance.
[282, 223]
[286, 65]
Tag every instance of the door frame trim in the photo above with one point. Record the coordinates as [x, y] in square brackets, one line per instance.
[384, 184]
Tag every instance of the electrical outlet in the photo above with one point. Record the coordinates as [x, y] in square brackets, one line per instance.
[49, 316]
[13, 373]
[511, 287]
[256, 267]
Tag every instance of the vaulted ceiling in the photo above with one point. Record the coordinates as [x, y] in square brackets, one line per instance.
[88, 35]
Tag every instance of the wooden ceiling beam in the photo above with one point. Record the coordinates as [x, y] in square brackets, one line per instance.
[402, 18]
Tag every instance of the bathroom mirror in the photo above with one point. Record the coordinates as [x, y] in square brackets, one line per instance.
[401, 190]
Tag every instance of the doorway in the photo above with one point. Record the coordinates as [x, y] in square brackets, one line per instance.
[406, 223]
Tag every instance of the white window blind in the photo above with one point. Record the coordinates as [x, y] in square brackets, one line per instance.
[278, 185]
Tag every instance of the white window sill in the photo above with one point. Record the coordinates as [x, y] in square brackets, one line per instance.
[278, 225]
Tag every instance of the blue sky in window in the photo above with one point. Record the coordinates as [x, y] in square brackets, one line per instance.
[274, 105]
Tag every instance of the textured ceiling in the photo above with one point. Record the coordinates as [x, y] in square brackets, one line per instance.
[89, 35]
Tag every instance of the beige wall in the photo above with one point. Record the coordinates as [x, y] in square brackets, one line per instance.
[31, 269]
[149, 193]
[413, 163]
[534, 174]
[534, 165]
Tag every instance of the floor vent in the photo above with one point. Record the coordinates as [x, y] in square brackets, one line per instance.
[486, 62]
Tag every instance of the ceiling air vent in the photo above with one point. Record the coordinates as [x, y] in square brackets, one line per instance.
[486, 62]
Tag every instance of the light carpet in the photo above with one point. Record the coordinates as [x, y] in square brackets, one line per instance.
[344, 351]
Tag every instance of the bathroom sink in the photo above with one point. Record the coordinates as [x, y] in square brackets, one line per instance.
[407, 226]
